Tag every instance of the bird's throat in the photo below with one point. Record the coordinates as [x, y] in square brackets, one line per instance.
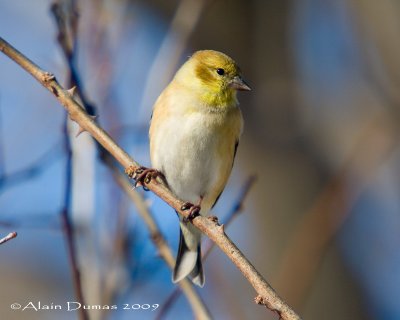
[219, 100]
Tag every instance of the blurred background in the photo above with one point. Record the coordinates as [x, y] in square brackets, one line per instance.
[322, 221]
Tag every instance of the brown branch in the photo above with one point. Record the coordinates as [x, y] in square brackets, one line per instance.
[8, 237]
[209, 245]
[266, 294]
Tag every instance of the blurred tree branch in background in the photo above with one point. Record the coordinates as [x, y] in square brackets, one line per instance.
[183, 23]
[266, 295]
[330, 210]
[34, 169]
[67, 23]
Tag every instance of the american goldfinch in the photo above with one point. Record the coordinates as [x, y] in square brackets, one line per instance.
[194, 133]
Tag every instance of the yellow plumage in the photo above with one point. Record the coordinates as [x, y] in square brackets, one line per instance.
[195, 128]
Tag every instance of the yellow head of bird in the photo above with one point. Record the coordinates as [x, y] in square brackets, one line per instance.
[214, 76]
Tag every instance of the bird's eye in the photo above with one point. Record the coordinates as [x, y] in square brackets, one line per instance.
[220, 71]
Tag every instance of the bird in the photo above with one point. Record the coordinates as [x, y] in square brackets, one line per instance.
[194, 133]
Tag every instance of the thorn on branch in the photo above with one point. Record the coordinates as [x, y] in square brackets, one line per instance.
[80, 130]
[72, 91]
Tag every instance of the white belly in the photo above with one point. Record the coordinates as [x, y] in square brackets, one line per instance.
[186, 155]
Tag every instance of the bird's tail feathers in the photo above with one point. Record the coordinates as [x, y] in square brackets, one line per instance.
[188, 263]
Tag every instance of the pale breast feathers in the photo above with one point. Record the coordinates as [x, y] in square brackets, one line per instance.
[193, 147]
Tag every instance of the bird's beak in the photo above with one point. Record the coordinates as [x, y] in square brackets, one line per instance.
[239, 84]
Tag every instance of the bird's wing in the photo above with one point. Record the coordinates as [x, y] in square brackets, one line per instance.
[233, 160]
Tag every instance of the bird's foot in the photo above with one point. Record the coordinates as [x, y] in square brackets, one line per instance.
[142, 175]
[194, 211]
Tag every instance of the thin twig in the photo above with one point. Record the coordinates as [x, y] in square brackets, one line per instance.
[266, 294]
[168, 303]
[67, 26]
[8, 237]
[209, 245]
[31, 171]
[68, 224]
[68, 44]
[32, 221]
